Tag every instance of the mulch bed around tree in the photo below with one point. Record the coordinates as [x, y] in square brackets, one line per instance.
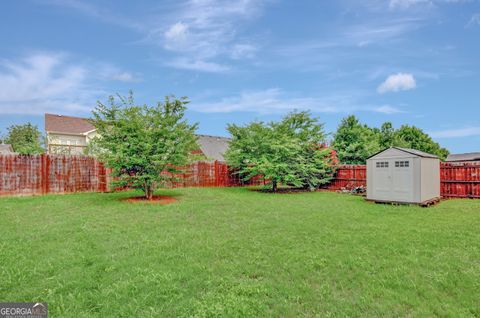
[158, 199]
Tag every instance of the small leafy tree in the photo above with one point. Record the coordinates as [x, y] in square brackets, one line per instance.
[354, 142]
[316, 163]
[25, 139]
[288, 152]
[143, 145]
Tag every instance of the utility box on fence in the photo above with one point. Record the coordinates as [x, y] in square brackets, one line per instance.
[403, 175]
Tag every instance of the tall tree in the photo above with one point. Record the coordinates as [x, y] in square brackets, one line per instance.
[387, 135]
[354, 142]
[415, 138]
[288, 152]
[144, 145]
[25, 139]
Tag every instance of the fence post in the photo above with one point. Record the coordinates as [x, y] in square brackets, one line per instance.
[215, 167]
[45, 173]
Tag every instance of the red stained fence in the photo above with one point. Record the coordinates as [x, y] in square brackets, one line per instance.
[460, 180]
[348, 177]
[41, 174]
[211, 174]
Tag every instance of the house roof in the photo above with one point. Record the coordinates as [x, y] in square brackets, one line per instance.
[472, 156]
[67, 124]
[409, 151]
[6, 149]
[213, 147]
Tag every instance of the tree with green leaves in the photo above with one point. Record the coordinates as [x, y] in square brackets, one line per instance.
[415, 138]
[288, 152]
[354, 142]
[144, 145]
[25, 139]
[387, 135]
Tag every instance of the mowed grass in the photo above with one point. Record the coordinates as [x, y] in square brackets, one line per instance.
[231, 252]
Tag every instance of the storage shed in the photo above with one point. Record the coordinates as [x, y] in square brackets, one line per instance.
[403, 175]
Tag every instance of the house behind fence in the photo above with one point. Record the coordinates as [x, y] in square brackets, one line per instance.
[72, 135]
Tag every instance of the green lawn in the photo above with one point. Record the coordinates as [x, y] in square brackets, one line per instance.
[235, 253]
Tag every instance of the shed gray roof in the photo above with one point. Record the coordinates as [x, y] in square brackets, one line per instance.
[410, 151]
[417, 152]
[6, 149]
[213, 147]
[472, 156]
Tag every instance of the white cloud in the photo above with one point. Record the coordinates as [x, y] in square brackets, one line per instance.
[397, 82]
[362, 35]
[197, 65]
[267, 101]
[387, 109]
[405, 4]
[456, 133]
[206, 30]
[275, 100]
[203, 34]
[50, 82]
[177, 33]
[124, 77]
[108, 72]
[40, 83]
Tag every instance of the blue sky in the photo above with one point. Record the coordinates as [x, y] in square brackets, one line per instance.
[406, 61]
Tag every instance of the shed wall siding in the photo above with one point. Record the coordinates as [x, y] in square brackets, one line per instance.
[417, 180]
[370, 185]
[430, 175]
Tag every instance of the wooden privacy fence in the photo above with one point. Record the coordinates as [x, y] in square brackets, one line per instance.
[348, 177]
[42, 174]
[211, 174]
[456, 180]
[460, 180]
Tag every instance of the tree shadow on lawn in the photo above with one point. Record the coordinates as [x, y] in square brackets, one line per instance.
[282, 190]
[164, 196]
[156, 199]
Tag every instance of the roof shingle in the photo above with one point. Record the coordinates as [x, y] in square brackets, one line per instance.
[472, 156]
[67, 124]
[213, 147]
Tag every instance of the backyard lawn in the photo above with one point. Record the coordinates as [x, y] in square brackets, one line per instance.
[233, 252]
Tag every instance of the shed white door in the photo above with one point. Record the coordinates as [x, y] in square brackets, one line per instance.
[393, 180]
[382, 182]
[402, 180]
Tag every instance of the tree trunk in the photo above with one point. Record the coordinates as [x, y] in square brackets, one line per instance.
[148, 191]
[274, 186]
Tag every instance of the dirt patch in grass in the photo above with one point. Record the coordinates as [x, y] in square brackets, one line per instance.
[157, 199]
